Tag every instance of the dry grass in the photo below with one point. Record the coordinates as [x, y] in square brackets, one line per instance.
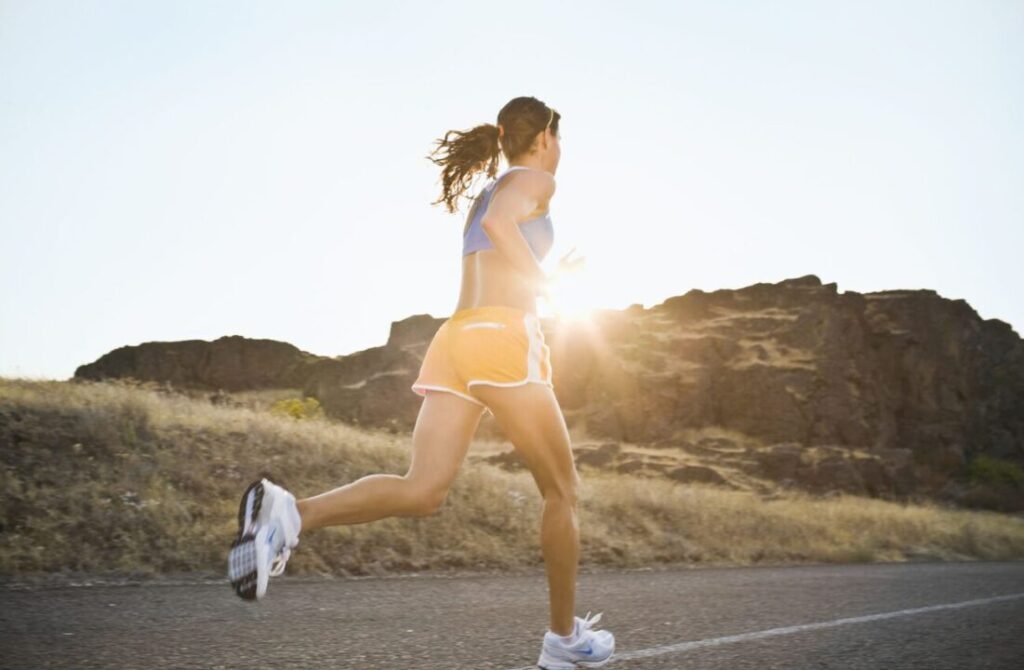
[106, 478]
[710, 524]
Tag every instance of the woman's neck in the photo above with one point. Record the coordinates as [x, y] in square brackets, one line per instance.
[533, 165]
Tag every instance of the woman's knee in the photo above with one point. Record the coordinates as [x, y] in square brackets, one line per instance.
[562, 490]
[423, 499]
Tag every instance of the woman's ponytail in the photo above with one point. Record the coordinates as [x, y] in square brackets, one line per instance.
[461, 155]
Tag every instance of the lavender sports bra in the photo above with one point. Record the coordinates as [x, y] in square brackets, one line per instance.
[539, 232]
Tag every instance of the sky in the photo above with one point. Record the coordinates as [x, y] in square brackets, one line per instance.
[189, 170]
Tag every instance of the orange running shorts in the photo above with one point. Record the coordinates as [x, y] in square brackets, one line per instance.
[494, 345]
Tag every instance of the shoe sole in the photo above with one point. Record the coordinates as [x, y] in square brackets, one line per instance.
[569, 665]
[242, 567]
[242, 559]
[249, 507]
[558, 664]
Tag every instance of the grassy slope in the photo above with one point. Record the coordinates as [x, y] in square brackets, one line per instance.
[102, 477]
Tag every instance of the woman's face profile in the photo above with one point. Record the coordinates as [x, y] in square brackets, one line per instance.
[554, 149]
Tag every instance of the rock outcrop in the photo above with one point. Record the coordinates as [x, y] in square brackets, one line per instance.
[799, 362]
[230, 363]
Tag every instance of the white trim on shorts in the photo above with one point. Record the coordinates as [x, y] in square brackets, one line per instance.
[506, 384]
[426, 387]
[532, 324]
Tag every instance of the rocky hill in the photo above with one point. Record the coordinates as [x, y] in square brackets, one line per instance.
[230, 363]
[893, 391]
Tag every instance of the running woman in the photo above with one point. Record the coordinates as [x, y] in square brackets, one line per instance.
[488, 356]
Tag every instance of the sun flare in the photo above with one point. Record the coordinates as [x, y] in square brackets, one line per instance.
[572, 297]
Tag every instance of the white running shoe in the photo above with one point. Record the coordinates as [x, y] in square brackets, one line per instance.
[268, 529]
[589, 648]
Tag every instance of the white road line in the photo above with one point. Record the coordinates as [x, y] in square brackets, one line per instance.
[756, 635]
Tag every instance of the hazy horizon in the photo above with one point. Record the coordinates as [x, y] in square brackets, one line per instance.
[188, 171]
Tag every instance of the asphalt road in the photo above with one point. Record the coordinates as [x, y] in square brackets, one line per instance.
[900, 616]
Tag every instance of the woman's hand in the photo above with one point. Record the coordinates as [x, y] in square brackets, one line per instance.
[566, 265]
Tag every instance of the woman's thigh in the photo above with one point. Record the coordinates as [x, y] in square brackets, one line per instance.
[441, 437]
[532, 420]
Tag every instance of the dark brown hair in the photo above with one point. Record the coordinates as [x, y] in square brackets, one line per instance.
[462, 154]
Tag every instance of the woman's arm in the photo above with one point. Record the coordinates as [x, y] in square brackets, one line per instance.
[521, 195]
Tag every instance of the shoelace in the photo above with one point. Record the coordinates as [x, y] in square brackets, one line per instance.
[586, 623]
[277, 565]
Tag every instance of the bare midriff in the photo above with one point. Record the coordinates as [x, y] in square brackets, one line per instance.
[489, 279]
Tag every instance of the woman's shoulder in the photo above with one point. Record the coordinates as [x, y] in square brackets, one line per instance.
[530, 181]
